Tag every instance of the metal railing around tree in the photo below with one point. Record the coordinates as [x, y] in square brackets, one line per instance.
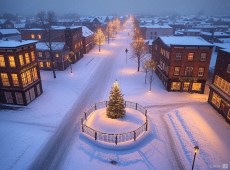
[114, 138]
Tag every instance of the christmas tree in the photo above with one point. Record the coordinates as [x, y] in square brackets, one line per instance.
[115, 107]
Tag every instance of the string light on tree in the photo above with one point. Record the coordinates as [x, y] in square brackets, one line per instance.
[116, 108]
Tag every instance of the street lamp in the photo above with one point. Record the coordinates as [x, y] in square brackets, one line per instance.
[126, 51]
[196, 150]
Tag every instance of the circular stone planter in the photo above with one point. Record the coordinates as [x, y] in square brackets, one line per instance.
[99, 127]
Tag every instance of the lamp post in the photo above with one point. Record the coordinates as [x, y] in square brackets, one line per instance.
[196, 150]
[126, 51]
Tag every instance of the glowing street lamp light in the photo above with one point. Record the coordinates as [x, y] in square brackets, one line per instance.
[196, 150]
[126, 51]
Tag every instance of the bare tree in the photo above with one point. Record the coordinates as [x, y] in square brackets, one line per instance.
[149, 67]
[138, 47]
[46, 19]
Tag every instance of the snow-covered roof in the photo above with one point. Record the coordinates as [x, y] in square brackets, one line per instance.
[193, 30]
[156, 26]
[222, 45]
[2, 21]
[219, 34]
[21, 25]
[226, 49]
[9, 31]
[56, 46]
[225, 40]
[184, 40]
[86, 31]
[13, 43]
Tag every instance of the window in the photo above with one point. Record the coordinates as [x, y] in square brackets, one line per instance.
[24, 80]
[188, 71]
[27, 58]
[32, 36]
[39, 36]
[27, 97]
[39, 54]
[15, 79]
[11, 61]
[2, 61]
[176, 71]
[196, 86]
[32, 94]
[222, 84]
[41, 64]
[178, 56]
[38, 89]
[228, 68]
[8, 97]
[21, 60]
[5, 80]
[35, 74]
[32, 56]
[190, 56]
[175, 85]
[57, 55]
[29, 78]
[19, 98]
[216, 99]
[47, 54]
[200, 71]
[48, 64]
[203, 56]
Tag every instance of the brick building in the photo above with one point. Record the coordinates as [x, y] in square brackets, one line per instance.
[183, 62]
[219, 96]
[87, 39]
[71, 36]
[20, 81]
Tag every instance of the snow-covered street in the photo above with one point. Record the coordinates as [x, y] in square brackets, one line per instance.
[47, 133]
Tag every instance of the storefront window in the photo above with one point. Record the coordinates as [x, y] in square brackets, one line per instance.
[216, 99]
[196, 86]
[175, 85]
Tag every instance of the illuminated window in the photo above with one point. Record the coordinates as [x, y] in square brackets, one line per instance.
[57, 55]
[21, 60]
[48, 64]
[188, 71]
[216, 99]
[24, 80]
[39, 36]
[178, 56]
[200, 71]
[19, 98]
[12, 61]
[175, 85]
[15, 79]
[190, 56]
[196, 86]
[222, 84]
[203, 56]
[32, 56]
[2, 61]
[32, 36]
[35, 74]
[27, 58]
[41, 64]
[8, 97]
[29, 78]
[228, 68]
[176, 71]
[5, 79]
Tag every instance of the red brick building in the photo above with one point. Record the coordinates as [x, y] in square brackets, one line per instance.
[20, 81]
[183, 62]
[71, 36]
[219, 96]
[87, 39]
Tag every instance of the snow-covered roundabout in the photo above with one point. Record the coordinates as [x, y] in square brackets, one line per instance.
[100, 128]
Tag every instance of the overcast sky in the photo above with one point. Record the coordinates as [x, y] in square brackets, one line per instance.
[119, 7]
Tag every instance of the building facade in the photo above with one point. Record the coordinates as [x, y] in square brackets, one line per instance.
[219, 96]
[71, 36]
[87, 39]
[183, 62]
[20, 78]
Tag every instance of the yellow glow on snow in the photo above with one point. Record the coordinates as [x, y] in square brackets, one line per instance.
[128, 71]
